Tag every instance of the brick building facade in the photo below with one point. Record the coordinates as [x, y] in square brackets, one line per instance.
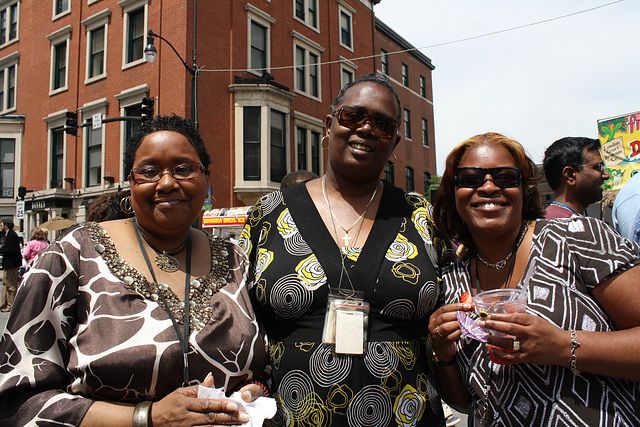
[267, 73]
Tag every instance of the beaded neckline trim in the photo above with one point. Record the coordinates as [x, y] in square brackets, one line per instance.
[201, 290]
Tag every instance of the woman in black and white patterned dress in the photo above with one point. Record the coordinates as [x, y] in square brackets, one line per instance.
[575, 355]
[115, 321]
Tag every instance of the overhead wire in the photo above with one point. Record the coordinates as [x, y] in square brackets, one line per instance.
[360, 58]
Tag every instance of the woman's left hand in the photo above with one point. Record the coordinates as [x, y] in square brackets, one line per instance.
[537, 340]
[251, 392]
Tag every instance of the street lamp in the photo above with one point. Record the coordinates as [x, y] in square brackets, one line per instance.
[150, 54]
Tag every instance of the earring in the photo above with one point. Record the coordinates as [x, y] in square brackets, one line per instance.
[395, 159]
[125, 205]
[322, 142]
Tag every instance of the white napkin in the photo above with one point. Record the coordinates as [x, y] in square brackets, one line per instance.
[260, 409]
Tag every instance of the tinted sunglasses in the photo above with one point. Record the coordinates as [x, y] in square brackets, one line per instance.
[503, 177]
[354, 118]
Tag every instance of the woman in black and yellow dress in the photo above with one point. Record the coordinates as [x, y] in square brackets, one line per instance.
[373, 245]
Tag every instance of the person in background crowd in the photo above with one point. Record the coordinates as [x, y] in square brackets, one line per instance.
[625, 213]
[107, 207]
[34, 246]
[11, 261]
[296, 177]
[575, 172]
[572, 358]
[349, 237]
[116, 323]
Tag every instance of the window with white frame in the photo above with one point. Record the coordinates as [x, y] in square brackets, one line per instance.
[347, 71]
[251, 143]
[9, 22]
[259, 40]
[60, 59]
[8, 73]
[307, 12]
[7, 166]
[61, 7]
[405, 74]
[57, 157]
[93, 159]
[135, 24]
[407, 124]
[308, 140]
[307, 65]
[56, 148]
[278, 141]
[384, 61]
[425, 132]
[346, 24]
[130, 104]
[409, 181]
[97, 28]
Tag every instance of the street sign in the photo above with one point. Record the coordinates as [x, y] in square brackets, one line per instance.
[97, 121]
[20, 209]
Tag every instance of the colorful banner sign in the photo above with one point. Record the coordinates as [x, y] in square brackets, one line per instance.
[226, 217]
[620, 144]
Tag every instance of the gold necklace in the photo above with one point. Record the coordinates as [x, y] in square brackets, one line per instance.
[164, 260]
[499, 265]
[346, 238]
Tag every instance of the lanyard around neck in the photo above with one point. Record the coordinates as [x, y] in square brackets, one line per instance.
[182, 337]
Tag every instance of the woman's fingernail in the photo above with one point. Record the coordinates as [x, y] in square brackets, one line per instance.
[466, 306]
[244, 417]
[209, 375]
[247, 395]
[232, 406]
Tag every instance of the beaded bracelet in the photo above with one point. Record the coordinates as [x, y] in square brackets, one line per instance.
[574, 344]
[264, 388]
[141, 414]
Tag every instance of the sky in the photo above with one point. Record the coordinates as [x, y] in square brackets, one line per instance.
[535, 84]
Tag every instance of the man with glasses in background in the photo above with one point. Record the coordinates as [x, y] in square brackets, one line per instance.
[575, 172]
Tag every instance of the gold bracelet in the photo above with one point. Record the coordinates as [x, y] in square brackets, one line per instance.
[574, 344]
[141, 414]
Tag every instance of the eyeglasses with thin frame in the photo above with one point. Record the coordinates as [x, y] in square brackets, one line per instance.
[599, 167]
[503, 177]
[182, 172]
[354, 118]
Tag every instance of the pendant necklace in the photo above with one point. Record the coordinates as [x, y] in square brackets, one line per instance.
[503, 262]
[164, 259]
[183, 337]
[346, 238]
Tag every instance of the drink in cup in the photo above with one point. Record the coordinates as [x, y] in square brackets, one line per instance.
[500, 301]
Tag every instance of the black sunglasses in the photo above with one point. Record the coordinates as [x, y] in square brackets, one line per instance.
[503, 177]
[354, 118]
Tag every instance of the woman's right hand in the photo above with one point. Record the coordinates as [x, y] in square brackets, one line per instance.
[183, 408]
[445, 330]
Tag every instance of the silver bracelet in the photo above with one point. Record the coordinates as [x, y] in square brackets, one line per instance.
[574, 344]
[141, 414]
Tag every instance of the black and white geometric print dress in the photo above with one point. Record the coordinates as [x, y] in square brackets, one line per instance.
[568, 258]
[295, 260]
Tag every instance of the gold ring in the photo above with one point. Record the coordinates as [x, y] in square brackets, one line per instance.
[438, 331]
[516, 345]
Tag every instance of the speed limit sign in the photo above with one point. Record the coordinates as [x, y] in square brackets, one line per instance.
[20, 209]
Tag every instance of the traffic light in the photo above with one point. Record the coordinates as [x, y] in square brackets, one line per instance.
[71, 125]
[147, 110]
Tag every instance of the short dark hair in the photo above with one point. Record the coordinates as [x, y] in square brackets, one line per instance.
[379, 79]
[172, 123]
[567, 151]
[9, 223]
[295, 177]
[446, 215]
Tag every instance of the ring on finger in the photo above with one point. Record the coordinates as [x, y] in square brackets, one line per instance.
[438, 331]
[516, 345]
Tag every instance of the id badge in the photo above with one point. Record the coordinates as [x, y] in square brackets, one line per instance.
[349, 331]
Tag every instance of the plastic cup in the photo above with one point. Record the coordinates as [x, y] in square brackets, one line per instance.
[500, 301]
